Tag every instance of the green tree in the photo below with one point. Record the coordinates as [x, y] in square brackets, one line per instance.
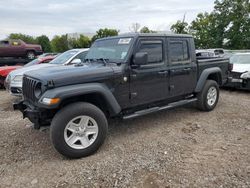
[59, 43]
[146, 30]
[23, 37]
[84, 41]
[180, 27]
[44, 41]
[101, 33]
[205, 32]
[81, 42]
[227, 26]
[234, 19]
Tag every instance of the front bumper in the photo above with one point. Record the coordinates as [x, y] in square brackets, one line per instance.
[14, 88]
[36, 116]
[238, 83]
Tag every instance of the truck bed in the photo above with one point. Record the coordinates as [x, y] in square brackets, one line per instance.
[222, 63]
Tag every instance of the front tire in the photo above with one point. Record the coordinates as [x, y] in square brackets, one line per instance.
[209, 96]
[78, 130]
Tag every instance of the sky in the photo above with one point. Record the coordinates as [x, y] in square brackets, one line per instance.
[55, 17]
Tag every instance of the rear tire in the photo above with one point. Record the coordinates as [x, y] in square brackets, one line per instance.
[30, 55]
[78, 130]
[209, 96]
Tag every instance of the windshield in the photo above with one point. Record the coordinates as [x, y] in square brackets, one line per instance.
[240, 59]
[112, 49]
[64, 57]
[34, 62]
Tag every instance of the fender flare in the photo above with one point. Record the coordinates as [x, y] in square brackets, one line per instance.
[66, 92]
[204, 75]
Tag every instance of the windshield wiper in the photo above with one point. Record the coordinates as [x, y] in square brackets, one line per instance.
[96, 60]
[105, 61]
[88, 60]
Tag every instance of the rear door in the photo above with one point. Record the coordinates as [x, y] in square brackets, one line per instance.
[182, 66]
[148, 83]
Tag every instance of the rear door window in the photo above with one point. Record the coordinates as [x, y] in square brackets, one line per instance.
[179, 51]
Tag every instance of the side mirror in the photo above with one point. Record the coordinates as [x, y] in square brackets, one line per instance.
[76, 61]
[141, 58]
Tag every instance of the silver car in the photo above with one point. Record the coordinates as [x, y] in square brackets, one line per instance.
[13, 82]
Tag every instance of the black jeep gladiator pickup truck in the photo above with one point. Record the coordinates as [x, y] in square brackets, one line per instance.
[124, 76]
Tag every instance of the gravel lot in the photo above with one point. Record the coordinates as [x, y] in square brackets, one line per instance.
[178, 148]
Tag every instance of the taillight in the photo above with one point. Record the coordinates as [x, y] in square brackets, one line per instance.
[230, 66]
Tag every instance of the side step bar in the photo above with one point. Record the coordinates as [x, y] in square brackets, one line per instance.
[156, 109]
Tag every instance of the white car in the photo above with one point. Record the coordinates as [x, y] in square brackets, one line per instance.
[240, 74]
[210, 52]
[13, 82]
[205, 54]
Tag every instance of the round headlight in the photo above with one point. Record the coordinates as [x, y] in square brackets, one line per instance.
[38, 90]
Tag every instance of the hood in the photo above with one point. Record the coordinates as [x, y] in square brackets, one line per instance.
[68, 75]
[23, 70]
[4, 71]
[240, 68]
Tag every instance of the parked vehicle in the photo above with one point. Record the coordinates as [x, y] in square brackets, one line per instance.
[4, 71]
[218, 52]
[200, 54]
[124, 76]
[18, 48]
[15, 79]
[239, 77]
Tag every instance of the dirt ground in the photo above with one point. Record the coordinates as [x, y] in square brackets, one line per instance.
[177, 148]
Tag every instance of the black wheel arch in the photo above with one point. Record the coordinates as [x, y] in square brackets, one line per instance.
[30, 50]
[95, 93]
[214, 73]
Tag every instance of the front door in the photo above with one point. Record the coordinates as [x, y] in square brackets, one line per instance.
[148, 83]
[16, 48]
[182, 67]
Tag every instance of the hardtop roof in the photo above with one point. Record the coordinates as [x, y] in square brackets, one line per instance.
[135, 35]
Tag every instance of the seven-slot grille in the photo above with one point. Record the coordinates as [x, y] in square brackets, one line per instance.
[29, 86]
